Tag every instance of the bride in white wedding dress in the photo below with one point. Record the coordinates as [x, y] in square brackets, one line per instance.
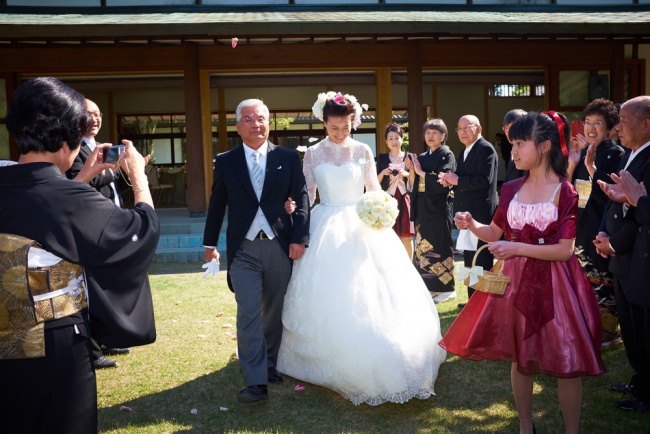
[357, 317]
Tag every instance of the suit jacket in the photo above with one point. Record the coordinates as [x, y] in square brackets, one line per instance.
[638, 287]
[476, 191]
[101, 182]
[623, 232]
[233, 188]
[512, 172]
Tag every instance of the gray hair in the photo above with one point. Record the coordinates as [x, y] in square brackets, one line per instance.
[250, 103]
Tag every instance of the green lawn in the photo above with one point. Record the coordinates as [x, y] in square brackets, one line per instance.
[188, 382]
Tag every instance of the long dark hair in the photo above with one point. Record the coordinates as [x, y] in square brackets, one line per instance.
[44, 113]
[540, 127]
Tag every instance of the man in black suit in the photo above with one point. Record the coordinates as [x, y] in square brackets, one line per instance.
[474, 183]
[105, 183]
[625, 238]
[254, 180]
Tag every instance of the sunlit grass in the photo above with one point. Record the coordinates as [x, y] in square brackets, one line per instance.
[191, 366]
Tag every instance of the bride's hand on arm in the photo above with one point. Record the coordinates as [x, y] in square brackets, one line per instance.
[296, 251]
[290, 206]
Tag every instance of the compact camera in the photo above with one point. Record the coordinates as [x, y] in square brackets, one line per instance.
[395, 172]
[113, 154]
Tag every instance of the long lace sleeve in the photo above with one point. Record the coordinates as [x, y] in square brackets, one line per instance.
[370, 175]
[308, 170]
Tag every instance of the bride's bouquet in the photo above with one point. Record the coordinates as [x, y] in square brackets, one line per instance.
[377, 209]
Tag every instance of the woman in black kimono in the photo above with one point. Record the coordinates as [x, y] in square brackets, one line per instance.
[431, 210]
[61, 240]
[594, 157]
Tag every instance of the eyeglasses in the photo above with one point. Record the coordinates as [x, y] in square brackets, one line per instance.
[251, 119]
[96, 115]
[463, 129]
[592, 124]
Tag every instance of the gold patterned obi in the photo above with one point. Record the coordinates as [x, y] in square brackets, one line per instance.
[422, 183]
[35, 287]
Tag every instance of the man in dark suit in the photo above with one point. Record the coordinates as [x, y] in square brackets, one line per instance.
[511, 170]
[625, 238]
[254, 180]
[474, 183]
[105, 183]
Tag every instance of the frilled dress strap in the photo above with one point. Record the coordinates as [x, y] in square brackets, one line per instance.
[534, 297]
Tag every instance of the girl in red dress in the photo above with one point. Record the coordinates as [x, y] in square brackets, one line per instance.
[547, 322]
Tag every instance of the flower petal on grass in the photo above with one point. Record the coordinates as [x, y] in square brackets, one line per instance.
[125, 408]
[299, 388]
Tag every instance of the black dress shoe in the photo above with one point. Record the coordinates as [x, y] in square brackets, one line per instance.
[621, 388]
[254, 394]
[274, 377]
[631, 404]
[105, 362]
[113, 351]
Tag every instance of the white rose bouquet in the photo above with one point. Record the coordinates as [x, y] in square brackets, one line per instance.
[377, 209]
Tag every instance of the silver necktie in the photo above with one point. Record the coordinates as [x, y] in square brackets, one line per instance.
[257, 170]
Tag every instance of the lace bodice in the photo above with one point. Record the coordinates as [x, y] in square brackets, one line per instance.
[539, 215]
[339, 171]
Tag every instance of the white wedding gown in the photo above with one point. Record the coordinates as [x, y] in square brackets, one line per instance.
[357, 316]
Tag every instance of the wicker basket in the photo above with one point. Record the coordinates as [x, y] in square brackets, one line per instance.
[491, 281]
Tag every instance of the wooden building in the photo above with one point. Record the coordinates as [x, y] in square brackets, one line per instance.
[168, 73]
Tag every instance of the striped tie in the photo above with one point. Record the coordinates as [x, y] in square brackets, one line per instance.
[257, 170]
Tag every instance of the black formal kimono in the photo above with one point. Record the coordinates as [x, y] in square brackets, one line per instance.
[57, 393]
[608, 160]
[431, 210]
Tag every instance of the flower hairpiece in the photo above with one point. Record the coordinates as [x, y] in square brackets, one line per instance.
[338, 98]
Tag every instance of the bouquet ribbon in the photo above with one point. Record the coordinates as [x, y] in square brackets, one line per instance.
[534, 298]
[396, 181]
[473, 274]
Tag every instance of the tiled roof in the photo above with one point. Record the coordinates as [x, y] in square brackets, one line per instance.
[319, 22]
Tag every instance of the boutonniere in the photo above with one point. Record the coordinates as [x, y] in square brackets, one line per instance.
[279, 167]
[362, 161]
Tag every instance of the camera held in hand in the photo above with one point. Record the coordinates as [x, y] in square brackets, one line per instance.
[395, 172]
[113, 154]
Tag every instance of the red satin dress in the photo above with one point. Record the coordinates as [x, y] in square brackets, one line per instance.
[548, 320]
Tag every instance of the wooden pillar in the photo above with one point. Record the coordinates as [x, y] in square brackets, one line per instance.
[415, 99]
[384, 109]
[553, 88]
[617, 74]
[197, 84]
[222, 129]
[434, 101]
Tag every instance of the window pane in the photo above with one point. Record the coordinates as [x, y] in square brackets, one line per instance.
[162, 151]
[4, 142]
[574, 88]
[3, 99]
[179, 151]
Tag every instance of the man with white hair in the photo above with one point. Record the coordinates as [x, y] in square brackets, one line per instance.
[474, 184]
